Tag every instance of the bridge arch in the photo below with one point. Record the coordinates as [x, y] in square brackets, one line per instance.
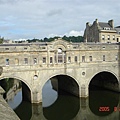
[26, 89]
[106, 79]
[18, 78]
[65, 82]
[46, 78]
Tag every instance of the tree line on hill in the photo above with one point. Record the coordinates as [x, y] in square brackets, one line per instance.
[69, 39]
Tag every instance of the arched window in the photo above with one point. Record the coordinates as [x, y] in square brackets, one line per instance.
[60, 56]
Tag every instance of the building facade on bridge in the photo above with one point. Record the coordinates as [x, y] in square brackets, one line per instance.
[35, 64]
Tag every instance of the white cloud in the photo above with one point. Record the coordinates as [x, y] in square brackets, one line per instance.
[43, 18]
[71, 33]
[75, 33]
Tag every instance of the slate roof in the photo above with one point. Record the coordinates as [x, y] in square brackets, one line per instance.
[117, 28]
[102, 25]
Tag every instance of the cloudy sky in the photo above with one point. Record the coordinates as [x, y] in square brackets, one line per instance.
[27, 19]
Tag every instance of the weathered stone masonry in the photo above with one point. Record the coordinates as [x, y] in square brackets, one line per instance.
[35, 64]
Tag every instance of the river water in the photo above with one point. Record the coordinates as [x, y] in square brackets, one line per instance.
[100, 105]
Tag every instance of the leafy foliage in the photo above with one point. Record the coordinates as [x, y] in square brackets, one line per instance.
[69, 39]
[7, 83]
[1, 40]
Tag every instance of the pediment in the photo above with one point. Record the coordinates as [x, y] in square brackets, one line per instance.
[60, 43]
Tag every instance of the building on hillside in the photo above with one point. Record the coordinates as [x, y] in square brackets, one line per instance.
[102, 32]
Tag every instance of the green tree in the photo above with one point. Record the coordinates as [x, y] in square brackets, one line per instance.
[1, 40]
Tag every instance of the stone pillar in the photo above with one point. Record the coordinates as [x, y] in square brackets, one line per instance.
[36, 97]
[63, 57]
[37, 112]
[57, 57]
[84, 91]
[48, 57]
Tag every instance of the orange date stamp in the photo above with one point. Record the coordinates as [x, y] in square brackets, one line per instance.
[107, 109]
[104, 109]
[117, 109]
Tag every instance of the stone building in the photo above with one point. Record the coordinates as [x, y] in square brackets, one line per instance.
[102, 32]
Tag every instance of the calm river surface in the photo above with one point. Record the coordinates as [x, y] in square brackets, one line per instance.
[101, 105]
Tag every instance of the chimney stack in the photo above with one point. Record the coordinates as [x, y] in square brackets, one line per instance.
[110, 22]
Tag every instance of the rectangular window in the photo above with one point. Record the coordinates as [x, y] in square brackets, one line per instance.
[90, 58]
[117, 39]
[25, 48]
[103, 37]
[44, 59]
[108, 37]
[7, 61]
[35, 60]
[26, 60]
[75, 58]
[6, 48]
[83, 58]
[116, 57]
[51, 60]
[69, 59]
[103, 57]
[113, 37]
[16, 61]
[60, 58]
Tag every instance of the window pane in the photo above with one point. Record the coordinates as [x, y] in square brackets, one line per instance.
[51, 59]
[90, 58]
[35, 60]
[44, 59]
[103, 57]
[26, 60]
[7, 61]
[83, 58]
[75, 58]
[69, 59]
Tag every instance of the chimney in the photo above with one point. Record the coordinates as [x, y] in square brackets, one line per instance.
[110, 22]
[96, 20]
[87, 24]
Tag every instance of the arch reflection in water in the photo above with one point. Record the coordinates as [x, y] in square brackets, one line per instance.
[65, 107]
[49, 95]
[101, 98]
[16, 101]
[102, 102]
[59, 105]
[24, 110]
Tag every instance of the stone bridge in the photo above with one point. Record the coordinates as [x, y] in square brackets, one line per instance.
[72, 67]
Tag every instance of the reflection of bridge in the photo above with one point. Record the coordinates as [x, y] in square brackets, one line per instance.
[72, 64]
[80, 112]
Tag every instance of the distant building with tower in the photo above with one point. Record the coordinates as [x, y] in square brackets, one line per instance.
[103, 32]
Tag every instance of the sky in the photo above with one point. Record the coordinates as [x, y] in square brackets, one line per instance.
[28, 19]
